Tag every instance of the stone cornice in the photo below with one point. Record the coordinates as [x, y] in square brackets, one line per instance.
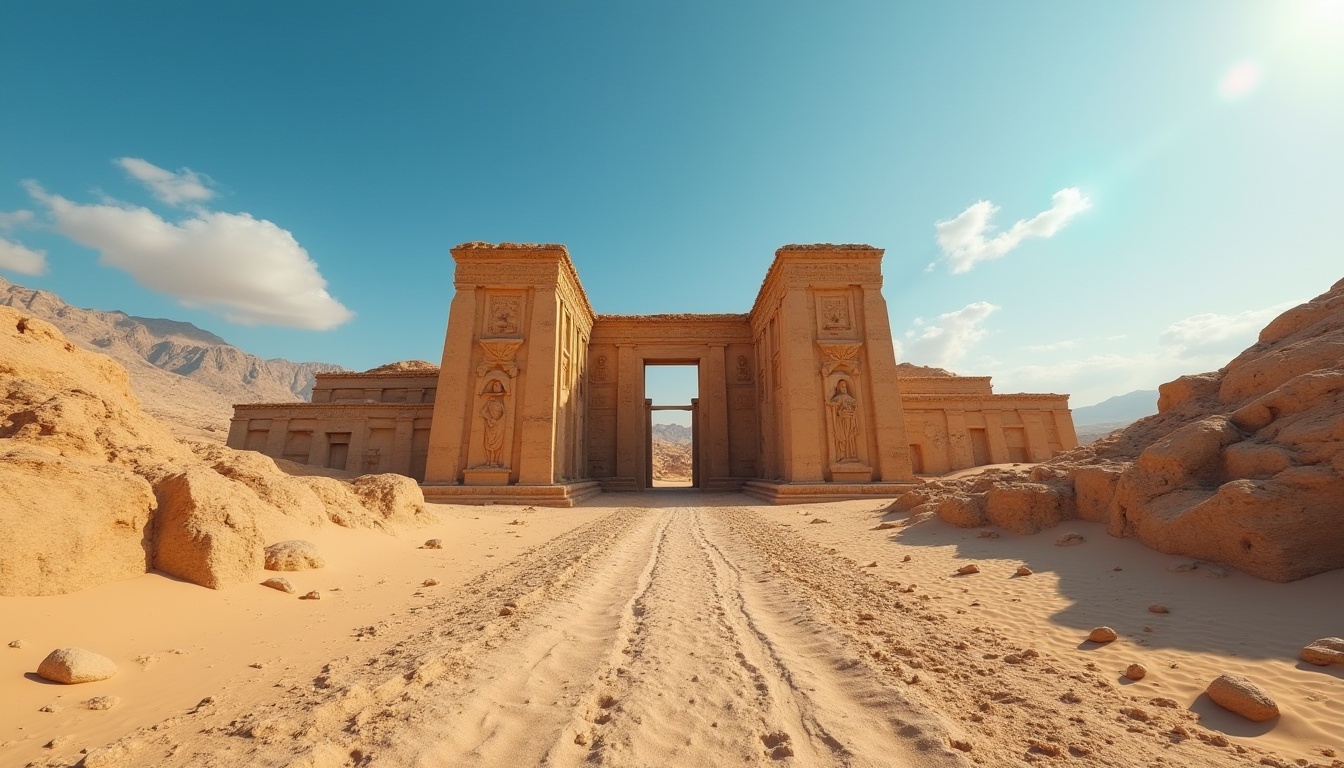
[477, 254]
[909, 400]
[421, 374]
[674, 318]
[810, 262]
[359, 405]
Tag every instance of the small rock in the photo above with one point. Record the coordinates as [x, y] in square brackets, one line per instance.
[1327, 650]
[60, 742]
[75, 665]
[1238, 694]
[1136, 672]
[17, 643]
[1070, 539]
[1215, 572]
[434, 544]
[865, 616]
[431, 582]
[1183, 566]
[816, 520]
[873, 564]
[1158, 608]
[515, 522]
[278, 583]
[51, 708]
[906, 559]
[1023, 570]
[968, 569]
[314, 595]
[102, 702]
[506, 611]
[988, 534]
[1102, 635]
[293, 555]
[886, 526]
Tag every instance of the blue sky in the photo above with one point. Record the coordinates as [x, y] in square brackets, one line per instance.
[292, 175]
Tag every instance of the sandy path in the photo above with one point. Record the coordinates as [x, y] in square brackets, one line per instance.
[659, 633]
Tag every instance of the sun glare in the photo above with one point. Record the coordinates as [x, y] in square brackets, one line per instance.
[1240, 80]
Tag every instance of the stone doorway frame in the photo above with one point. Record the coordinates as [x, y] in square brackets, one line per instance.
[649, 408]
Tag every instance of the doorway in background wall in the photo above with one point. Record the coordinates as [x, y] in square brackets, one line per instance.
[671, 408]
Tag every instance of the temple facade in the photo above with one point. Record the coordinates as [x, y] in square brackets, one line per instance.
[540, 400]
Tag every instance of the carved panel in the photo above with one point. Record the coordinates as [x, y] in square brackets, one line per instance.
[743, 400]
[504, 315]
[499, 354]
[743, 375]
[603, 397]
[834, 314]
[839, 356]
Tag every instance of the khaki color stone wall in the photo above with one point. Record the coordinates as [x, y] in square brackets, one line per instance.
[539, 400]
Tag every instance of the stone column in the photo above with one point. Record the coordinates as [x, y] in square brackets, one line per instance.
[801, 393]
[892, 462]
[401, 445]
[629, 414]
[275, 439]
[354, 461]
[447, 455]
[998, 443]
[535, 421]
[1038, 439]
[714, 410]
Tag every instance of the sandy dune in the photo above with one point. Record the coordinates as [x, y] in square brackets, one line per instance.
[678, 628]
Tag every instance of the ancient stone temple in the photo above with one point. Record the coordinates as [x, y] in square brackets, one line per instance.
[540, 400]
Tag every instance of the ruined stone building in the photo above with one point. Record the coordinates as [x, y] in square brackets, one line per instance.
[540, 400]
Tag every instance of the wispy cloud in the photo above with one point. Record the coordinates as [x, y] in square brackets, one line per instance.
[250, 270]
[184, 186]
[1213, 332]
[965, 239]
[1051, 347]
[16, 257]
[948, 339]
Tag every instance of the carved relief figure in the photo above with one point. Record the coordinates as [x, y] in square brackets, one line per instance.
[845, 422]
[743, 368]
[835, 312]
[504, 317]
[600, 370]
[493, 413]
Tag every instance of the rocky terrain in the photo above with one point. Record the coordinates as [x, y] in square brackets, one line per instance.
[97, 490]
[1242, 466]
[187, 377]
[671, 461]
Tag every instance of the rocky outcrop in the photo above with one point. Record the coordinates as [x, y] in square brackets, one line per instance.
[183, 374]
[1243, 466]
[96, 490]
[294, 555]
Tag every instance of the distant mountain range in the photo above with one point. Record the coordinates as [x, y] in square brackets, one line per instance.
[1129, 407]
[1095, 421]
[672, 433]
[182, 374]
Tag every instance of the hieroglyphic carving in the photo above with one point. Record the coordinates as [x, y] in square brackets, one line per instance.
[600, 372]
[844, 410]
[743, 400]
[743, 369]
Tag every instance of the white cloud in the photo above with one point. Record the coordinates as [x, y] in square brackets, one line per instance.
[185, 186]
[963, 238]
[15, 257]
[1209, 332]
[1051, 347]
[944, 341]
[250, 270]
[11, 219]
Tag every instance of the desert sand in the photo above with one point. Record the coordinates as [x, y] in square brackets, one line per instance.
[677, 628]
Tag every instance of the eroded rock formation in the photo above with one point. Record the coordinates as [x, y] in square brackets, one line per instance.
[96, 490]
[1244, 465]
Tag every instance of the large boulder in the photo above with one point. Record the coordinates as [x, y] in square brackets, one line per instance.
[67, 524]
[1025, 507]
[1238, 694]
[394, 498]
[208, 532]
[342, 506]
[75, 665]
[290, 495]
[294, 555]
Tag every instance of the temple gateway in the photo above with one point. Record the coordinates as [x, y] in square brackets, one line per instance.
[539, 400]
